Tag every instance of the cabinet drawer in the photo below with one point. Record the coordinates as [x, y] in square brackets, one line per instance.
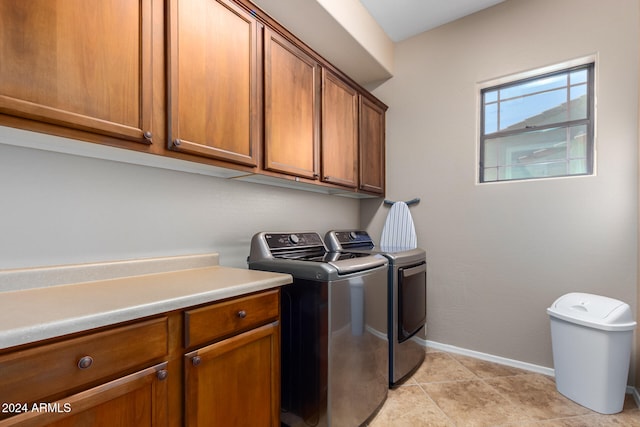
[51, 369]
[226, 318]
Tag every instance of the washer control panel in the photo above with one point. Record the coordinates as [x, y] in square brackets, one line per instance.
[293, 240]
[349, 239]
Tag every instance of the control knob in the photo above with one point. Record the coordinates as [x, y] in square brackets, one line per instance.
[293, 238]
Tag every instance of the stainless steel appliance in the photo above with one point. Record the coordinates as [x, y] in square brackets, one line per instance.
[334, 347]
[407, 282]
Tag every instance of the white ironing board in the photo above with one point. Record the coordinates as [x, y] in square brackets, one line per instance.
[399, 231]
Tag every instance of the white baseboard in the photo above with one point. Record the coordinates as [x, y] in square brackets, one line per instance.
[505, 361]
[488, 357]
[635, 393]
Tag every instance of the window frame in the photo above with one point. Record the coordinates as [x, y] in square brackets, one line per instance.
[588, 64]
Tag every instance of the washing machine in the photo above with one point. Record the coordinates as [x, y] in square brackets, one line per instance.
[334, 369]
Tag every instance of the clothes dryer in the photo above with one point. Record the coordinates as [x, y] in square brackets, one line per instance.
[407, 298]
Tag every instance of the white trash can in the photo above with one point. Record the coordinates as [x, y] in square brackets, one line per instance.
[591, 337]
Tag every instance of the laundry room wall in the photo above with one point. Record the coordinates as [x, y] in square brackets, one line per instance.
[500, 254]
[66, 209]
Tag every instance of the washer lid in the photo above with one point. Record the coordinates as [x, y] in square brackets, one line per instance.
[593, 311]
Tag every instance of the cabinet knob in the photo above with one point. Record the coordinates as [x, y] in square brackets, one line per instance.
[242, 314]
[162, 374]
[147, 135]
[196, 360]
[85, 362]
[177, 142]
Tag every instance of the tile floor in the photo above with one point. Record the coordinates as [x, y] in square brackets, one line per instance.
[451, 390]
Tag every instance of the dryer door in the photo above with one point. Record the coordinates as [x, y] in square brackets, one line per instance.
[412, 300]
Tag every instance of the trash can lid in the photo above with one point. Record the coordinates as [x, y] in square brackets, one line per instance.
[594, 311]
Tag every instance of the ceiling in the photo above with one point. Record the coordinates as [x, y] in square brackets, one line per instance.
[401, 19]
[358, 36]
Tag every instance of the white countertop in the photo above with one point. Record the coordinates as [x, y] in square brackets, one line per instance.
[40, 313]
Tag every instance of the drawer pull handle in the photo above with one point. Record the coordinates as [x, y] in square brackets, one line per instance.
[196, 360]
[242, 314]
[162, 374]
[85, 362]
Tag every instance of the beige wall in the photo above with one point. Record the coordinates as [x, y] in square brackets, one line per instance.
[64, 209]
[500, 254]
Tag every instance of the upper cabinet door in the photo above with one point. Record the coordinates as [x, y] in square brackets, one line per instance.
[372, 146]
[292, 85]
[213, 80]
[339, 131]
[78, 64]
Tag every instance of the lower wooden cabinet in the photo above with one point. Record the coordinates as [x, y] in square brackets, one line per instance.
[235, 382]
[138, 399]
[49, 370]
[132, 374]
[235, 379]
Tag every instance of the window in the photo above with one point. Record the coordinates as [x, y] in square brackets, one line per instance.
[538, 127]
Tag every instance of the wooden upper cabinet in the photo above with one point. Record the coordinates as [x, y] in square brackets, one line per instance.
[372, 146]
[292, 107]
[339, 131]
[213, 79]
[78, 64]
[241, 91]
